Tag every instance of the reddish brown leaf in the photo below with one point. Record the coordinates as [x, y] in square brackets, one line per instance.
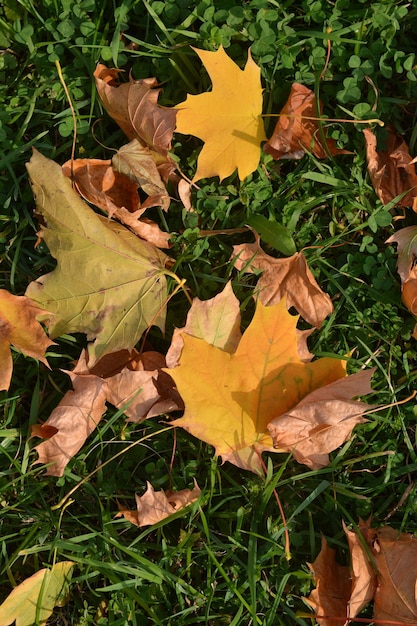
[364, 580]
[138, 164]
[333, 586]
[391, 169]
[153, 507]
[294, 133]
[134, 107]
[290, 277]
[98, 183]
[322, 421]
[113, 192]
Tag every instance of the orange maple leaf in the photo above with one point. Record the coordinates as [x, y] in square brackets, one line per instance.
[228, 119]
[231, 399]
[20, 327]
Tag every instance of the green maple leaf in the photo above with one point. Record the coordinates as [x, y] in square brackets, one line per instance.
[108, 283]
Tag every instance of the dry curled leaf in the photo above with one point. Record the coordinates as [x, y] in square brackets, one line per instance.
[391, 168]
[322, 420]
[130, 381]
[20, 327]
[383, 570]
[155, 506]
[333, 584]
[289, 277]
[228, 118]
[295, 132]
[134, 106]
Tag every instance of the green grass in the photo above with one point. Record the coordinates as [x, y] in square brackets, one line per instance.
[224, 560]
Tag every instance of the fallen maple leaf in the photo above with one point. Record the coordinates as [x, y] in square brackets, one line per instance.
[295, 132]
[108, 283]
[217, 321]
[289, 277]
[134, 107]
[228, 119]
[74, 419]
[139, 164]
[333, 585]
[406, 239]
[323, 420]
[98, 183]
[130, 381]
[383, 569]
[20, 327]
[391, 170]
[230, 399]
[117, 195]
[35, 598]
[395, 556]
[153, 507]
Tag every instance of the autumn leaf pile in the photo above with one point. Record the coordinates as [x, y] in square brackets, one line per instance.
[244, 393]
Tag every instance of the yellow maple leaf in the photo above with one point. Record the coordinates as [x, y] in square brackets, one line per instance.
[20, 327]
[228, 119]
[230, 399]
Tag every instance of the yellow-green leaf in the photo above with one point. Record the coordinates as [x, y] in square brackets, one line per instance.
[228, 119]
[108, 283]
[35, 598]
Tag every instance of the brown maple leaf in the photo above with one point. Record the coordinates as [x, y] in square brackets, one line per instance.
[289, 277]
[134, 107]
[155, 506]
[130, 381]
[395, 556]
[20, 327]
[391, 168]
[117, 195]
[383, 569]
[74, 419]
[322, 420]
[333, 586]
[294, 133]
